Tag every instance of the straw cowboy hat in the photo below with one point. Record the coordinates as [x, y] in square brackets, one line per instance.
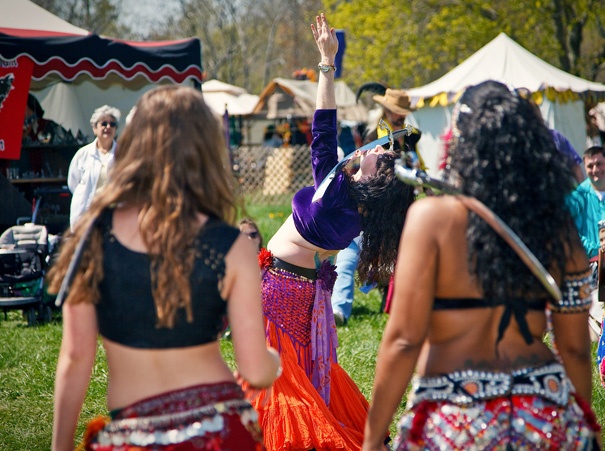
[395, 100]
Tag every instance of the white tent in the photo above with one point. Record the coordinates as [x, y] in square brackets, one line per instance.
[70, 84]
[283, 97]
[236, 100]
[559, 94]
[26, 15]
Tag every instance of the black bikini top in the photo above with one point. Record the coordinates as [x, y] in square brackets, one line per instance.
[126, 311]
[512, 306]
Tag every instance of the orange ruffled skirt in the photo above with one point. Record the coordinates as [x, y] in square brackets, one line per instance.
[295, 417]
[293, 414]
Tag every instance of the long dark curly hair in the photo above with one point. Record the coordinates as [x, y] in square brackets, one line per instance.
[504, 155]
[383, 204]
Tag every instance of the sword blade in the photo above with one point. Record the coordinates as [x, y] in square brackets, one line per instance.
[416, 177]
[384, 141]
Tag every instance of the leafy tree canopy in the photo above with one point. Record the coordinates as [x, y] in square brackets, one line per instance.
[407, 44]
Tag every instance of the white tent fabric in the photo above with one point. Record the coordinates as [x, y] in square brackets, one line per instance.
[503, 60]
[286, 97]
[26, 15]
[219, 95]
[72, 105]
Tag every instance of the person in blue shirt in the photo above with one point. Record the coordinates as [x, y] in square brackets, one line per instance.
[587, 202]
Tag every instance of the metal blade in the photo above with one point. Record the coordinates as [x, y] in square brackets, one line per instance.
[74, 264]
[416, 177]
[384, 141]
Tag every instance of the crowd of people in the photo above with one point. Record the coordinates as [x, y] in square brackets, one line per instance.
[162, 271]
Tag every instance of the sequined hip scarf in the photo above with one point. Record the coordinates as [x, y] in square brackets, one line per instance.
[299, 305]
[548, 381]
[184, 417]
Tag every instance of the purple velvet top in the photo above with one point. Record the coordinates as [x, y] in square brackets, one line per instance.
[332, 222]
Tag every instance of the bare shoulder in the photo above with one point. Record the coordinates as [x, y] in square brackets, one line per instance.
[436, 210]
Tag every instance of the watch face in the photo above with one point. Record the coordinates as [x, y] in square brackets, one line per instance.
[324, 68]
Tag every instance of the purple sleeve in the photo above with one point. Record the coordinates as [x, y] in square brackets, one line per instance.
[333, 221]
[564, 146]
[324, 145]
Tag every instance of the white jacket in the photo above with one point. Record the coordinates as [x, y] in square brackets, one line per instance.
[82, 178]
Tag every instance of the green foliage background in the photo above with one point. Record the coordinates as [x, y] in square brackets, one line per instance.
[401, 43]
[408, 44]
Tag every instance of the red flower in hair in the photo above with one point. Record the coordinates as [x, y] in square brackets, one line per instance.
[265, 259]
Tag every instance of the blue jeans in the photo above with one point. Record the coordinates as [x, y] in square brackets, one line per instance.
[344, 288]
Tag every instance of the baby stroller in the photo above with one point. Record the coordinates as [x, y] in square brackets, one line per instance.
[24, 251]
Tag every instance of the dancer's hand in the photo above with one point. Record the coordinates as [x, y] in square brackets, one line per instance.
[325, 38]
[250, 392]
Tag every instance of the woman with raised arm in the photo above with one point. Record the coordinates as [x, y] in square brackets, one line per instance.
[315, 404]
[467, 314]
[162, 269]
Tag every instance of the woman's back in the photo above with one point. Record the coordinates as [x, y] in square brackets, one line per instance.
[134, 353]
[160, 269]
[464, 328]
[468, 316]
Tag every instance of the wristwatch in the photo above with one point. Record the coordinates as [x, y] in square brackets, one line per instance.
[326, 67]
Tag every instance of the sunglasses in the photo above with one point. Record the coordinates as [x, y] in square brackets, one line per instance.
[111, 124]
[253, 235]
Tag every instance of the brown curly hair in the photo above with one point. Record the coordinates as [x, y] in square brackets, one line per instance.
[171, 163]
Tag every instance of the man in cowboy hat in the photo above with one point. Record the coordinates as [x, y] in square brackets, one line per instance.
[396, 106]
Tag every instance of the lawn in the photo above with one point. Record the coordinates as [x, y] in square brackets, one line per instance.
[28, 357]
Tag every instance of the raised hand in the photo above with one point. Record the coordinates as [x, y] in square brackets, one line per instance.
[325, 38]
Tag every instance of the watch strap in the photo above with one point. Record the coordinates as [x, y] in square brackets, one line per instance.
[326, 67]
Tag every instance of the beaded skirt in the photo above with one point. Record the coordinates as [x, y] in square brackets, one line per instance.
[532, 408]
[314, 403]
[202, 417]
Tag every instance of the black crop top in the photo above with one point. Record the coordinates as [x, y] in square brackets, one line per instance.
[514, 306]
[126, 311]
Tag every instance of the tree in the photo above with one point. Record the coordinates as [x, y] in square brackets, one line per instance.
[413, 43]
[97, 16]
[248, 42]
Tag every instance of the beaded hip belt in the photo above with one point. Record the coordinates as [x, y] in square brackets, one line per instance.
[308, 273]
[465, 387]
[173, 428]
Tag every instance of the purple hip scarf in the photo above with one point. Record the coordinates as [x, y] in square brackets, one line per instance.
[300, 307]
[288, 303]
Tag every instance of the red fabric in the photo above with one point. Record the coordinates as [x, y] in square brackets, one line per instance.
[15, 78]
[234, 434]
[387, 304]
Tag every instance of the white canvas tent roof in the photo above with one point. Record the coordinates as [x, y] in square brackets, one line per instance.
[286, 97]
[219, 95]
[26, 15]
[504, 60]
[559, 94]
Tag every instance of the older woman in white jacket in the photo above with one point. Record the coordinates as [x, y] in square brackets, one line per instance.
[89, 166]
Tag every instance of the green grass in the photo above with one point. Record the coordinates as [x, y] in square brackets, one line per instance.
[28, 357]
[269, 218]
